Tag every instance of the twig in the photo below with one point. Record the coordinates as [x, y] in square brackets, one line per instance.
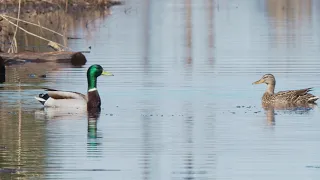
[32, 33]
[15, 32]
[66, 9]
[34, 24]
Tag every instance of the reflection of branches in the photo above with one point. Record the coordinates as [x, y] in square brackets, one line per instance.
[189, 30]
[211, 31]
[19, 126]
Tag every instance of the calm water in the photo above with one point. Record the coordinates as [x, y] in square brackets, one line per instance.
[181, 104]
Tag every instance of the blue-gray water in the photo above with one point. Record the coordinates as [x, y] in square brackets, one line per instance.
[181, 104]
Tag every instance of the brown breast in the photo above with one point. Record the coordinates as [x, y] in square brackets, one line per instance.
[93, 100]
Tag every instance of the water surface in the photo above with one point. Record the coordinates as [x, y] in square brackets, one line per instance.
[181, 104]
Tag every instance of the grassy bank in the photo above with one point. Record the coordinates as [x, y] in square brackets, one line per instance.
[62, 16]
[62, 2]
[43, 6]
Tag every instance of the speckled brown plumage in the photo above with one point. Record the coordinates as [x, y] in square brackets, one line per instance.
[300, 96]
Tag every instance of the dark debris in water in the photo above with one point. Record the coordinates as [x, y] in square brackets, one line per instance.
[316, 167]
[32, 75]
[8, 170]
[160, 115]
[245, 107]
[74, 170]
[74, 37]
[190, 172]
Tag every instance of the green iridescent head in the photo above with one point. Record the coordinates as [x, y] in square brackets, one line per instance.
[93, 73]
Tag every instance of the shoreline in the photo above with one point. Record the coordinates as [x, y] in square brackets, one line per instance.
[57, 16]
[7, 6]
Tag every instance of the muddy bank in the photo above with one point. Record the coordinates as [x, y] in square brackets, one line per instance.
[10, 6]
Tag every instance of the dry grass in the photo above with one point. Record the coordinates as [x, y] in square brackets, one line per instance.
[45, 6]
[55, 26]
[42, 21]
[61, 2]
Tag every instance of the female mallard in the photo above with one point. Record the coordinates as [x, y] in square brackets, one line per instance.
[300, 96]
[56, 98]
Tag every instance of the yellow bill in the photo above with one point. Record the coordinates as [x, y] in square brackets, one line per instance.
[105, 73]
[259, 81]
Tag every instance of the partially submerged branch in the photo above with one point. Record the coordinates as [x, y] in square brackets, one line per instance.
[76, 58]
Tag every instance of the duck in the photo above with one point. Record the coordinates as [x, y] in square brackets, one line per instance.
[291, 97]
[60, 99]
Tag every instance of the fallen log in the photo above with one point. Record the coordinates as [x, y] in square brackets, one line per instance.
[75, 58]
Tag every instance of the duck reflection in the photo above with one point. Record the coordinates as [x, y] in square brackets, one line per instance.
[269, 110]
[286, 108]
[92, 137]
[51, 113]
[92, 116]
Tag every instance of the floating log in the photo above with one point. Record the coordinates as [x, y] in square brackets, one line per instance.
[75, 58]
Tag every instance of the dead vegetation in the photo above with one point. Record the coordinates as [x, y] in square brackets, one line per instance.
[44, 6]
[27, 26]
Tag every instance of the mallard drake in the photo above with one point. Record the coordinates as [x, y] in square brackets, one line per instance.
[57, 98]
[300, 96]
